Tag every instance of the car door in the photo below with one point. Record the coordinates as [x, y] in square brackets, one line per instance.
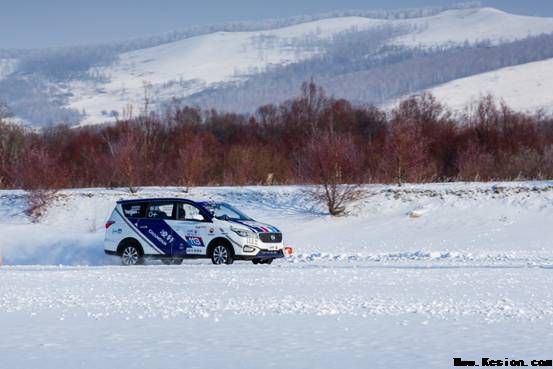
[194, 227]
[156, 228]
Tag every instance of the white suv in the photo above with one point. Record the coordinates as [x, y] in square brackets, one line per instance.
[176, 229]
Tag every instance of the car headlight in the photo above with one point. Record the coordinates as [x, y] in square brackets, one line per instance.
[249, 249]
[243, 232]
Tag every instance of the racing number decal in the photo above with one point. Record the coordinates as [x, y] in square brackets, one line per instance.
[159, 233]
[166, 236]
[195, 241]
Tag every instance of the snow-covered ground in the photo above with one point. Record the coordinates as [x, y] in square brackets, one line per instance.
[523, 87]
[505, 222]
[282, 316]
[185, 67]
[410, 279]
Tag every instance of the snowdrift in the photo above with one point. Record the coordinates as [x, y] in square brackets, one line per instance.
[506, 223]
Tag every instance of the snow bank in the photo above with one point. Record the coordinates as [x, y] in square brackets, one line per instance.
[503, 223]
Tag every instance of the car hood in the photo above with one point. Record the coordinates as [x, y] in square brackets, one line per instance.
[255, 226]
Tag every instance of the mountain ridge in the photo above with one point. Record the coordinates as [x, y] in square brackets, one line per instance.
[206, 69]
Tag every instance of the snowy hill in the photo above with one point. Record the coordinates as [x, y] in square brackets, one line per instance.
[215, 64]
[192, 65]
[523, 87]
[472, 25]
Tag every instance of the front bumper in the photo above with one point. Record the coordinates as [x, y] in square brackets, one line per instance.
[263, 255]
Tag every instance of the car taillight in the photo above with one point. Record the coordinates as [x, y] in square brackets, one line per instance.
[109, 223]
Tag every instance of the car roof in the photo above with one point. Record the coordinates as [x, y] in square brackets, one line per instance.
[210, 202]
[156, 199]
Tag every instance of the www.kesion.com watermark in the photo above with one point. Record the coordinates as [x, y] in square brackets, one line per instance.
[486, 361]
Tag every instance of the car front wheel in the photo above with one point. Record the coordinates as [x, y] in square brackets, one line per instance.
[222, 254]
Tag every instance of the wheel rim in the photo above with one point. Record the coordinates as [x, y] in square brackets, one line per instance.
[220, 255]
[130, 256]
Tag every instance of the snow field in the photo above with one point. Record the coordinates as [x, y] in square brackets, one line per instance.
[294, 316]
[412, 278]
[456, 223]
[200, 290]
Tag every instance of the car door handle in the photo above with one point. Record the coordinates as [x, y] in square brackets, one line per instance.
[143, 227]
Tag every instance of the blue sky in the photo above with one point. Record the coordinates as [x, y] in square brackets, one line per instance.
[44, 23]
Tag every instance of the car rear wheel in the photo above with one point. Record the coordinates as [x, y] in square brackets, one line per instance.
[131, 255]
[222, 254]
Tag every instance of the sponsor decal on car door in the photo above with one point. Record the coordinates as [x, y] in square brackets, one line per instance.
[159, 233]
[195, 235]
[193, 226]
[162, 235]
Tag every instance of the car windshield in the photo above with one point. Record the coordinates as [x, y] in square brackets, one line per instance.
[224, 211]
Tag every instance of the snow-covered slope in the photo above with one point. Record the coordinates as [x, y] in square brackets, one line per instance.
[182, 68]
[524, 87]
[479, 223]
[472, 25]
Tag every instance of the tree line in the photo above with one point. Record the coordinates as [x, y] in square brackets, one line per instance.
[311, 139]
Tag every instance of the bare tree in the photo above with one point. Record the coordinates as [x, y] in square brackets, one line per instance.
[38, 201]
[128, 112]
[41, 177]
[407, 146]
[405, 158]
[333, 162]
[147, 87]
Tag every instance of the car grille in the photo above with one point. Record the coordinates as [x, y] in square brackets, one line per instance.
[270, 254]
[270, 237]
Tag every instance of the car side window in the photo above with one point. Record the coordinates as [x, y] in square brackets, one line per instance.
[134, 210]
[189, 212]
[164, 210]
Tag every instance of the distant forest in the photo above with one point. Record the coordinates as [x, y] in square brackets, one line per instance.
[312, 138]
